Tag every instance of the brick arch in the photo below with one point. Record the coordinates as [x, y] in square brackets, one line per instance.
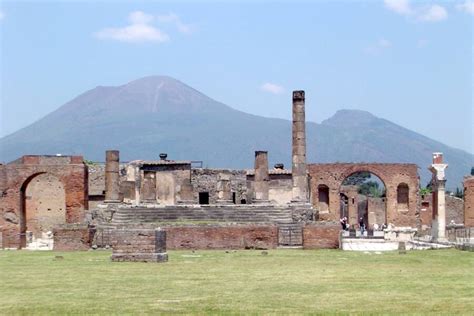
[15, 177]
[48, 213]
[354, 219]
[363, 168]
[332, 175]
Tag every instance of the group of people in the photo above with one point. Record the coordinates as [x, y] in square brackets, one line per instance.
[345, 225]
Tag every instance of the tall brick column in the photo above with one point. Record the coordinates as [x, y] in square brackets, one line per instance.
[112, 176]
[261, 177]
[469, 201]
[299, 171]
[437, 168]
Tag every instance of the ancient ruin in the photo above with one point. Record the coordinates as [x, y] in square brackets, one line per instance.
[132, 206]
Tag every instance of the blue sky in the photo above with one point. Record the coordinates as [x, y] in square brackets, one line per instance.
[410, 62]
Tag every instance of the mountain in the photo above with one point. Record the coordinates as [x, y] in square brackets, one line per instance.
[160, 114]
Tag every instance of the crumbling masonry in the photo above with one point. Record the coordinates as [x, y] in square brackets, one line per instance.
[262, 207]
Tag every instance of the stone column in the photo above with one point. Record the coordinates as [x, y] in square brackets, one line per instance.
[299, 171]
[112, 176]
[224, 192]
[261, 177]
[439, 204]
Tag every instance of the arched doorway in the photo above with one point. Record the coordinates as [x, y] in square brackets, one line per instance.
[363, 195]
[43, 207]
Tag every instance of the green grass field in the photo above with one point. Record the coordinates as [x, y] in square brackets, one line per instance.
[238, 282]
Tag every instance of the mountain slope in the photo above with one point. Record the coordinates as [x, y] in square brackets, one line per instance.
[160, 114]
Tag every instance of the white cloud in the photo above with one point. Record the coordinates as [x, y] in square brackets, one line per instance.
[402, 7]
[378, 47]
[433, 13]
[467, 6]
[174, 19]
[272, 88]
[139, 17]
[139, 30]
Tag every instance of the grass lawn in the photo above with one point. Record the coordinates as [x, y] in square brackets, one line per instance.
[238, 282]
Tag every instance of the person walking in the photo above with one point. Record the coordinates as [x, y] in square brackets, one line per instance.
[361, 226]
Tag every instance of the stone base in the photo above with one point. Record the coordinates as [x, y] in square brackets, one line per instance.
[112, 201]
[302, 212]
[264, 202]
[225, 202]
[140, 257]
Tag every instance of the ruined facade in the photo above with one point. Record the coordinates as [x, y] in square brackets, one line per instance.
[262, 207]
[400, 180]
[28, 186]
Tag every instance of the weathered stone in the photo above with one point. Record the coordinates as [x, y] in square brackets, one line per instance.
[11, 217]
[439, 201]
[261, 177]
[299, 169]
[112, 176]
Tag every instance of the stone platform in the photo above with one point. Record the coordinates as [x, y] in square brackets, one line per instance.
[146, 245]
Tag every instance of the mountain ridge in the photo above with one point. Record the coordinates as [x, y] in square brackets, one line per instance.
[161, 114]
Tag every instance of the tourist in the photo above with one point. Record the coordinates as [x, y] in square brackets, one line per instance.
[343, 223]
[361, 225]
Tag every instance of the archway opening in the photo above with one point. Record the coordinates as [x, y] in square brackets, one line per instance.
[323, 197]
[363, 200]
[403, 201]
[43, 207]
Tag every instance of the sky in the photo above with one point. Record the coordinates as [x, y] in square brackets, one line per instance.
[409, 62]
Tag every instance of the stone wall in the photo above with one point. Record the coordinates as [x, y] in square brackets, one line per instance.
[15, 178]
[469, 201]
[392, 175]
[222, 237]
[96, 182]
[280, 185]
[205, 180]
[454, 211]
[73, 238]
[322, 235]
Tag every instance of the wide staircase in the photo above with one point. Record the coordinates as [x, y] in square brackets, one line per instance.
[202, 214]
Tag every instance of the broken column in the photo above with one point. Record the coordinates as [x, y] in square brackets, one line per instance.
[299, 172]
[261, 177]
[438, 185]
[112, 176]
[224, 192]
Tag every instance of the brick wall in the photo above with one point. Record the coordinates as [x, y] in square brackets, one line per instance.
[223, 237]
[323, 235]
[147, 245]
[73, 238]
[469, 201]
